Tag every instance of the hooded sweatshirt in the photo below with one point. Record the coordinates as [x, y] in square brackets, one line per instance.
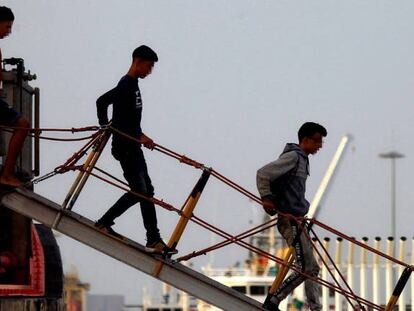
[284, 181]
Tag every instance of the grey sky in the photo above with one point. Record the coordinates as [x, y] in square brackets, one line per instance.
[234, 82]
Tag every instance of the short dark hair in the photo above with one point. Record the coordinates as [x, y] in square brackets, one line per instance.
[146, 53]
[308, 129]
[6, 15]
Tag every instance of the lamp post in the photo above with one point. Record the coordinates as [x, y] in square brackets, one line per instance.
[392, 155]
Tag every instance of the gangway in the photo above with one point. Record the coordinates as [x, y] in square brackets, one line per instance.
[34, 206]
[61, 218]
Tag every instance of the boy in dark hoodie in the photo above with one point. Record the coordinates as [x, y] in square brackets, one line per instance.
[282, 185]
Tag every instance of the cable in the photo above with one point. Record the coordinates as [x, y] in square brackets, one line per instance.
[229, 239]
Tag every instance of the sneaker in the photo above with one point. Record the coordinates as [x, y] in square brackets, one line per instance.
[270, 307]
[159, 247]
[107, 229]
[271, 304]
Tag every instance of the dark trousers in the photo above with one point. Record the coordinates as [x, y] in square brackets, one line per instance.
[136, 174]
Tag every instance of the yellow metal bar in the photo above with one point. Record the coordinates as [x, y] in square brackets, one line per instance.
[284, 269]
[95, 154]
[398, 289]
[391, 303]
[77, 180]
[80, 180]
[187, 211]
[81, 173]
[287, 262]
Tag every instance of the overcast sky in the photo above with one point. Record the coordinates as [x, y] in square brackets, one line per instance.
[234, 82]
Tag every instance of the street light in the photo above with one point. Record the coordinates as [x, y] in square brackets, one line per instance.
[392, 155]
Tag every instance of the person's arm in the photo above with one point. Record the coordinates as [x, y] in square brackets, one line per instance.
[102, 104]
[272, 171]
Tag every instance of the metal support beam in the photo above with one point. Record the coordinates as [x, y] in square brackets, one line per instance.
[87, 167]
[186, 214]
[81, 229]
[398, 289]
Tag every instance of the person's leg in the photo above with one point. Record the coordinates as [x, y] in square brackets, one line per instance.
[116, 210]
[127, 161]
[135, 172]
[149, 217]
[288, 229]
[313, 293]
[15, 146]
[313, 289]
[144, 186]
[141, 183]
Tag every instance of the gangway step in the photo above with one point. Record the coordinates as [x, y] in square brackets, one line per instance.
[34, 206]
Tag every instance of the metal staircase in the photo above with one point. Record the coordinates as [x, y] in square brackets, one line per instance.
[129, 252]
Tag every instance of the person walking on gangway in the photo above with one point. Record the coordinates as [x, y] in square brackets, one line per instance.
[9, 116]
[126, 117]
[281, 185]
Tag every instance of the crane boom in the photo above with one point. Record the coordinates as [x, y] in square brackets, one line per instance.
[328, 176]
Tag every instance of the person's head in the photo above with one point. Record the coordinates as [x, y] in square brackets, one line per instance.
[6, 21]
[310, 137]
[143, 59]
